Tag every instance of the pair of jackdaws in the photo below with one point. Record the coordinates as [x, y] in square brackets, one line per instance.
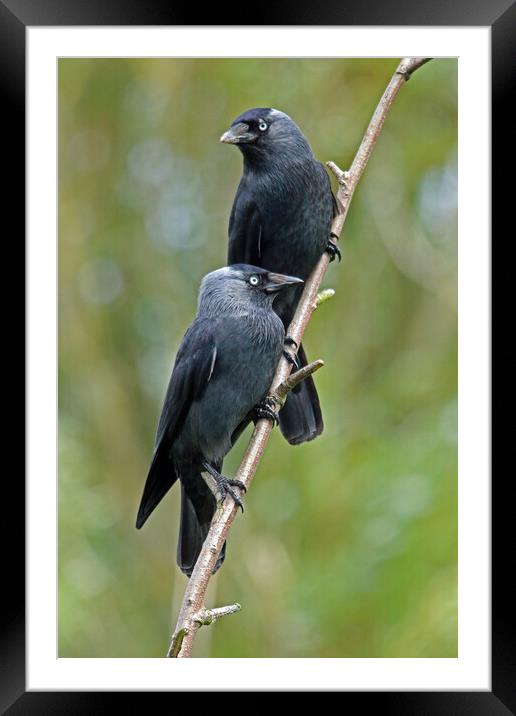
[280, 225]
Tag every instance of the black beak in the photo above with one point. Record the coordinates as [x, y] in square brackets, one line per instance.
[238, 134]
[277, 281]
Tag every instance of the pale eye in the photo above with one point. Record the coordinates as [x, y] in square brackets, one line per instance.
[254, 280]
[262, 126]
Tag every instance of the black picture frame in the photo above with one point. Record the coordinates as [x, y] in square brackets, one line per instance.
[15, 17]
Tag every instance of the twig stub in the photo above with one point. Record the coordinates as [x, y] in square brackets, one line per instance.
[281, 392]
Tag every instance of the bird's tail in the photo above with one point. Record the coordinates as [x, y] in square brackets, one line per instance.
[300, 418]
[198, 506]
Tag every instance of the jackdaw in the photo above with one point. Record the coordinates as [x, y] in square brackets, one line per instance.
[222, 372]
[281, 219]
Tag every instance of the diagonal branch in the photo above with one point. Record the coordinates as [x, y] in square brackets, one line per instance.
[193, 612]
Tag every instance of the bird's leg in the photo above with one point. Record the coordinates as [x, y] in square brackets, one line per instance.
[266, 409]
[224, 485]
[332, 248]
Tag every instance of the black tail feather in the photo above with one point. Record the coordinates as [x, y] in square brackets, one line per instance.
[198, 506]
[301, 418]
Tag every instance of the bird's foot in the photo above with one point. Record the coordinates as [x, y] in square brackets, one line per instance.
[266, 410]
[292, 359]
[332, 248]
[225, 485]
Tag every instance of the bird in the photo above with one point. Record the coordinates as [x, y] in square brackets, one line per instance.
[222, 371]
[281, 218]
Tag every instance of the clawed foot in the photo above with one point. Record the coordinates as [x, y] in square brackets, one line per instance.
[225, 485]
[292, 359]
[332, 248]
[266, 410]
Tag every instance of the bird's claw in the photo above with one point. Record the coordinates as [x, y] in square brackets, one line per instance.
[332, 248]
[292, 359]
[290, 342]
[224, 485]
[266, 410]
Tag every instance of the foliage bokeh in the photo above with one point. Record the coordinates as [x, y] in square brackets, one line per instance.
[348, 546]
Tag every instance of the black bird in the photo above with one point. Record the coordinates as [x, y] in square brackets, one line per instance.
[281, 219]
[223, 369]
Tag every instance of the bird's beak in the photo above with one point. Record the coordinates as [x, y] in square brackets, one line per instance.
[277, 281]
[238, 134]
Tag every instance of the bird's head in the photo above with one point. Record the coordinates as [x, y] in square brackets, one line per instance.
[240, 287]
[265, 133]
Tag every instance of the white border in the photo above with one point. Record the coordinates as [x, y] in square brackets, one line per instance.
[472, 669]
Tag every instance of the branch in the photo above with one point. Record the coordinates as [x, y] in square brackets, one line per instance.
[193, 613]
[349, 180]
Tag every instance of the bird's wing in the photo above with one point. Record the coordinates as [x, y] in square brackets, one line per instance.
[193, 369]
[245, 229]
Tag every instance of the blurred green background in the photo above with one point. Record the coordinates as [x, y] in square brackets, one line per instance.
[348, 545]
